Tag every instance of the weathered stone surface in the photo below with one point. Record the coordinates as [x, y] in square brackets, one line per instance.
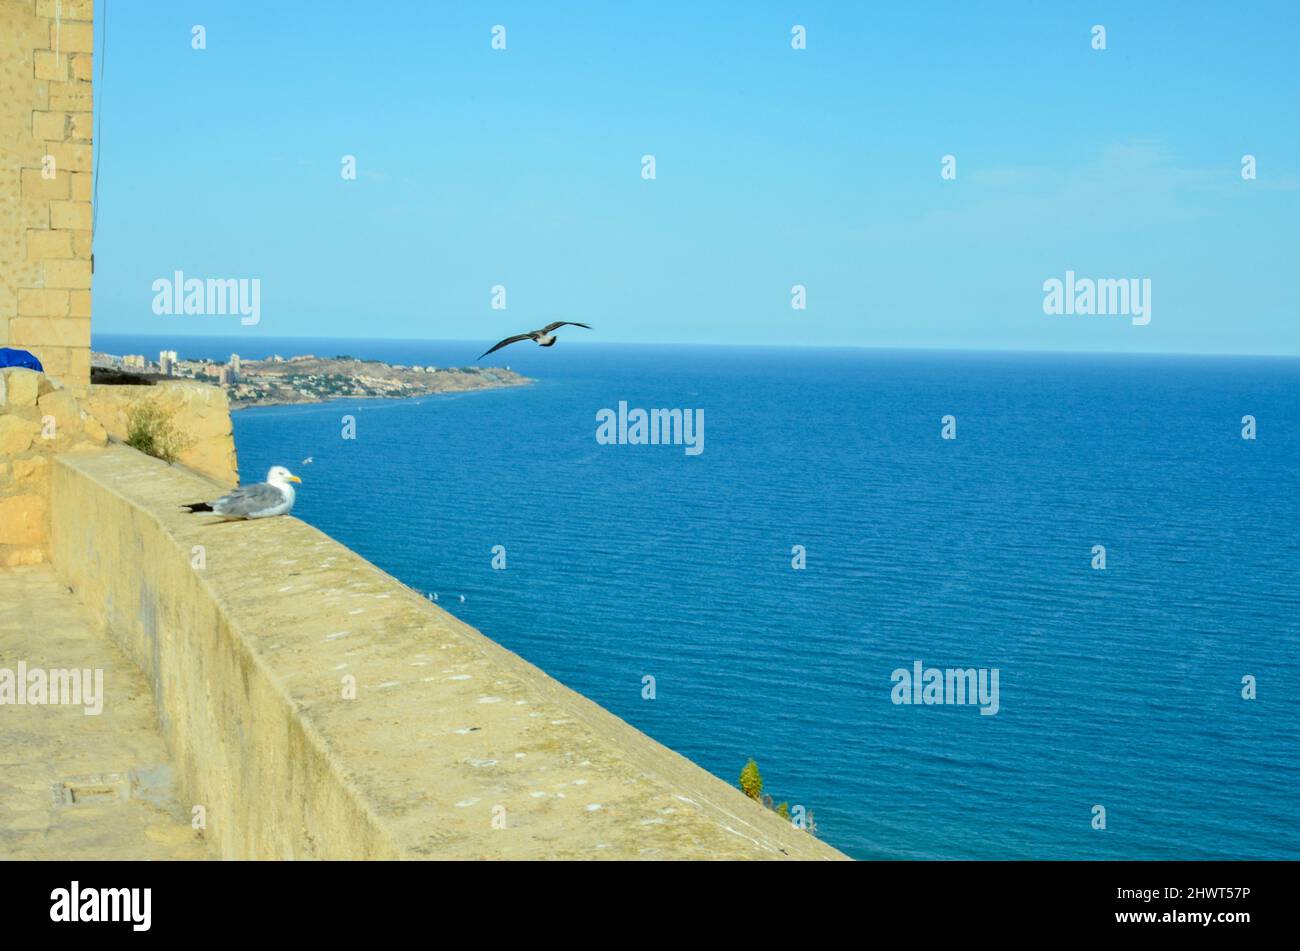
[51, 751]
[22, 520]
[32, 470]
[445, 726]
[63, 406]
[95, 433]
[16, 433]
[25, 454]
[13, 558]
[199, 412]
[23, 386]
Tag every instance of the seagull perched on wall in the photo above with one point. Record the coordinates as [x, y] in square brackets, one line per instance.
[260, 500]
[544, 337]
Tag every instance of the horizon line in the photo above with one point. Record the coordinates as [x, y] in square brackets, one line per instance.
[741, 346]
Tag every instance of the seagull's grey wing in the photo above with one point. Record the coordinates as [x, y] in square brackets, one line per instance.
[563, 323]
[505, 343]
[250, 500]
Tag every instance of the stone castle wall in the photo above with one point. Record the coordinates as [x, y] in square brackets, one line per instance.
[318, 708]
[46, 63]
[199, 411]
[37, 421]
[40, 418]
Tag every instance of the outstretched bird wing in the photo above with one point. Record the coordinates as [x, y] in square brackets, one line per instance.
[505, 343]
[563, 323]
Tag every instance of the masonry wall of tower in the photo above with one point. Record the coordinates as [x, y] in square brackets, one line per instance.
[46, 64]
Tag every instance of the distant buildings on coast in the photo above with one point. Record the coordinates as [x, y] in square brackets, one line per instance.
[169, 364]
[230, 372]
[308, 378]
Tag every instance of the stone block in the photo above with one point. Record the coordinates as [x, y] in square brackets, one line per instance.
[22, 520]
[43, 245]
[24, 386]
[16, 433]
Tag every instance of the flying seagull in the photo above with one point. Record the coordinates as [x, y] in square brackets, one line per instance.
[261, 500]
[544, 337]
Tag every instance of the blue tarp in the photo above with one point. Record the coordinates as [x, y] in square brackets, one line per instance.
[10, 357]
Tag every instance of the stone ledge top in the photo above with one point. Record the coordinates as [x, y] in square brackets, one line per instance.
[449, 734]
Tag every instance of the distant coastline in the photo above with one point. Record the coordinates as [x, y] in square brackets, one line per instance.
[281, 381]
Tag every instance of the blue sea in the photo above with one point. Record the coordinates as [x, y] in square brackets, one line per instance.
[1120, 688]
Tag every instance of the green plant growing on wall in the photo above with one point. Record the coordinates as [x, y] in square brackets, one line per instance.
[149, 428]
[751, 781]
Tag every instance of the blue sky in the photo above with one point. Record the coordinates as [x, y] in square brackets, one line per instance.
[774, 167]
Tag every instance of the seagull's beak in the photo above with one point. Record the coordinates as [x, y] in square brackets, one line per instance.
[293, 478]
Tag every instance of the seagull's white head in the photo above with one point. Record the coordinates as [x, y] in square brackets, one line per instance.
[279, 475]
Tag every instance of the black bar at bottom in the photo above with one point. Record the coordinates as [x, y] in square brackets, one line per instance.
[333, 900]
